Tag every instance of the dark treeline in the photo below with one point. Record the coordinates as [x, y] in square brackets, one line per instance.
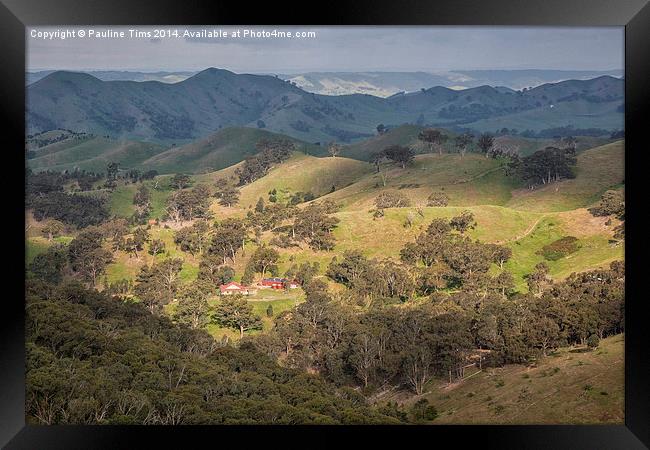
[94, 360]
[409, 344]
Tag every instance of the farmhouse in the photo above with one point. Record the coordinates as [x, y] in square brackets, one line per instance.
[279, 283]
[236, 288]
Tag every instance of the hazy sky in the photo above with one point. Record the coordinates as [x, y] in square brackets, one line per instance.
[353, 49]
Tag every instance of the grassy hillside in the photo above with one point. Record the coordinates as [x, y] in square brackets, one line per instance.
[472, 180]
[570, 386]
[92, 153]
[598, 169]
[219, 150]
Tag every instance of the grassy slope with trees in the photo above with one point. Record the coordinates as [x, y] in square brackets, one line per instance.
[525, 221]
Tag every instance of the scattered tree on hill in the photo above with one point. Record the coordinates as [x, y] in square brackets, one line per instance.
[193, 308]
[333, 149]
[399, 154]
[142, 203]
[136, 243]
[264, 259]
[180, 181]
[392, 199]
[462, 143]
[50, 265]
[189, 204]
[538, 280]
[195, 238]
[314, 225]
[376, 158]
[438, 199]
[612, 203]
[485, 143]
[229, 236]
[548, 165]
[233, 311]
[226, 194]
[52, 228]
[259, 206]
[211, 269]
[269, 153]
[433, 138]
[92, 264]
[465, 221]
[156, 247]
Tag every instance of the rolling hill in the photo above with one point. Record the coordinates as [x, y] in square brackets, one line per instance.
[91, 153]
[219, 150]
[177, 113]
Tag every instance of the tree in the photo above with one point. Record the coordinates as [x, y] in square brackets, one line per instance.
[259, 206]
[189, 204]
[381, 129]
[612, 203]
[314, 225]
[52, 228]
[333, 149]
[263, 259]
[538, 279]
[433, 138]
[195, 238]
[168, 271]
[180, 181]
[93, 263]
[156, 247]
[111, 170]
[193, 306]
[376, 159]
[142, 203]
[485, 143]
[462, 142]
[438, 199]
[465, 221]
[233, 311]
[399, 154]
[392, 199]
[499, 254]
[211, 269]
[548, 165]
[136, 243]
[227, 195]
[229, 236]
[50, 264]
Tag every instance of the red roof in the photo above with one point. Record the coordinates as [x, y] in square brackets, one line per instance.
[232, 286]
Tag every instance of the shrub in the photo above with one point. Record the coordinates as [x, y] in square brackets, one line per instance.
[438, 199]
[560, 248]
[422, 411]
[593, 341]
[392, 200]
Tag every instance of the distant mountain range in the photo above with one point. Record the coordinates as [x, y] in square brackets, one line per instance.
[380, 84]
[119, 75]
[385, 84]
[214, 99]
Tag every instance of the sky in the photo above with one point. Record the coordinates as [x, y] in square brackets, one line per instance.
[333, 49]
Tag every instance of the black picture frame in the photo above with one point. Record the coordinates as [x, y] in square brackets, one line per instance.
[633, 14]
